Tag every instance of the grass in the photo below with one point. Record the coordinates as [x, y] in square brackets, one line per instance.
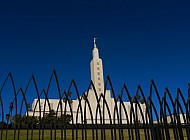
[48, 134]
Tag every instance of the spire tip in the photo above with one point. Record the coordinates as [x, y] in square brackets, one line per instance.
[95, 42]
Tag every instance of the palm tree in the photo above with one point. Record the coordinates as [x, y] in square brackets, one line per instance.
[142, 101]
[7, 117]
[11, 106]
[69, 94]
[28, 106]
[64, 100]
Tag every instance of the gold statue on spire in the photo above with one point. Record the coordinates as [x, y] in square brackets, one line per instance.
[95, 42]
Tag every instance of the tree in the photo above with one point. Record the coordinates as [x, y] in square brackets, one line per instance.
[30, 120]
[47, 119]
[69, 94]
[3, 124]
[11, 107]
[17, 119]
[142, 101]
[64, 119]
[28, 106]
[7, 117]
[64, 100]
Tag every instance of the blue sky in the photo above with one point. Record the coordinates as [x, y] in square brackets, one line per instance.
[137, 40]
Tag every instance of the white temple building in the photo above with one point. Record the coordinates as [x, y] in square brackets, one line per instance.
[100, 113]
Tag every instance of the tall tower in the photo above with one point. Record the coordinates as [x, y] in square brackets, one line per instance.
[97, 70]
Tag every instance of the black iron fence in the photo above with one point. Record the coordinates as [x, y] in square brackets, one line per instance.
[78, 116]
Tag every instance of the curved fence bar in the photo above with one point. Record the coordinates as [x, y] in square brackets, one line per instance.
[27, 113]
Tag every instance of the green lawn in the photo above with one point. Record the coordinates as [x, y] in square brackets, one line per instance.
[47, 134]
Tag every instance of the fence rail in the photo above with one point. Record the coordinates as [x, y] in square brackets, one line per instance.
[131, 116]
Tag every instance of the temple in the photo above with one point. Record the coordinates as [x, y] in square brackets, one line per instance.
[90, 108]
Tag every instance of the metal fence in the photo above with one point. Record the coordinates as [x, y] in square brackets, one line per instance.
[165, 117]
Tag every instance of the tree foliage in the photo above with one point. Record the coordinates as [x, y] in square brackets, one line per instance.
[47, 119]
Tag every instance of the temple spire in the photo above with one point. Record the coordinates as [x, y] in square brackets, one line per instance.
[97, 70]
[95, 51]
[95, 42]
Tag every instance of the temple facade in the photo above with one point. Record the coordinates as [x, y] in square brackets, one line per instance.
[95, 106]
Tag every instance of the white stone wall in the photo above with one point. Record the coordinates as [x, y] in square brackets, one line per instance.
[169, 120]
[45, 107]
[78, 114]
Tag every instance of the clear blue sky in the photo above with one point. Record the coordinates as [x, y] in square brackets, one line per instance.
[137, 40]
